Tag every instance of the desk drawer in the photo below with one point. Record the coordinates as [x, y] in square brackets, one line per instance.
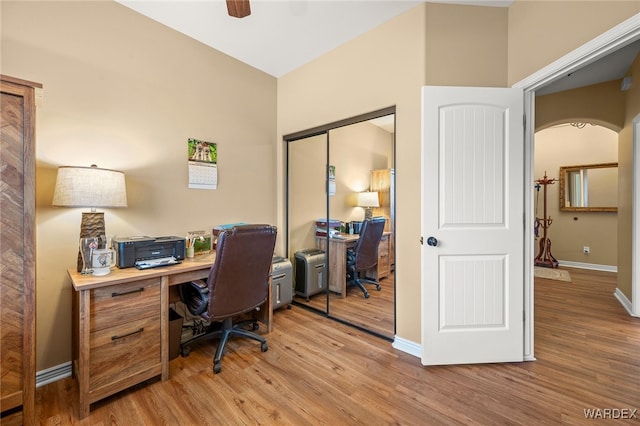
[121, 352]
[124, 303]
[383, 266]
[384, 263]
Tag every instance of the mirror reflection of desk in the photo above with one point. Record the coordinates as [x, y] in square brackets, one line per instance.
[338, 260]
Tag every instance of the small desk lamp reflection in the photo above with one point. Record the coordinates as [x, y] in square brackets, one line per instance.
[368, 200]
[90, 187]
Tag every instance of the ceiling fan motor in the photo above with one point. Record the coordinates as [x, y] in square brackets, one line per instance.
[238, 8]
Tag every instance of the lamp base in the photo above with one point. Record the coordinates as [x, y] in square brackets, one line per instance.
[368, 213]
[92, 225]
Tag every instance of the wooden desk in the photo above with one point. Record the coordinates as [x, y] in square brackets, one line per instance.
[338, 260]
[121, 326]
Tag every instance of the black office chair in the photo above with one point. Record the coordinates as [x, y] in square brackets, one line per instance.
[364, 255]
[238, 283]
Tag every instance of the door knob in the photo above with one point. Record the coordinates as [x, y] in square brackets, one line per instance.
[432, 241]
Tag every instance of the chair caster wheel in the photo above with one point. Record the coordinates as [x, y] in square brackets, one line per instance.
[366, 295]
[378, 287]
[264, 347]
[255, 326]
[185, 351]
[217, 367]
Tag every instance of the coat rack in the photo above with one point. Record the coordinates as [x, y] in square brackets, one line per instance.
[544, 257]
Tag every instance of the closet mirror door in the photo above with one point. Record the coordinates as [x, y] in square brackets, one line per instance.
[327, 168]
[307, 202]
[360, 153]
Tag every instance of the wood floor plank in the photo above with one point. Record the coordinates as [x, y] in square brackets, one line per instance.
[321, 372]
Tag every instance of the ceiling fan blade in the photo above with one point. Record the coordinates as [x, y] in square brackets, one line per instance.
[238, 8]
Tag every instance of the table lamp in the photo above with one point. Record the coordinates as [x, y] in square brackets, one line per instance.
[89, 187]
[368, 200]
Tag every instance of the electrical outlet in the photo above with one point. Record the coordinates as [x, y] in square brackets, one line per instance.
[586, 250]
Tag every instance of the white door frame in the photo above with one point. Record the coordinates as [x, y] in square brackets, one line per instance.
[635, 226]
[610, 41]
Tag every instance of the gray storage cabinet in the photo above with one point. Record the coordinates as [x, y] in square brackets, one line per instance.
[311, 272]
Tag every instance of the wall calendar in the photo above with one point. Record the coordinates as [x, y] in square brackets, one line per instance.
[203, 164]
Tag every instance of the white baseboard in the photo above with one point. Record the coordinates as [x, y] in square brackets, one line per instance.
[624, 301]
[593, 266]
[407, 346]
[53, 374]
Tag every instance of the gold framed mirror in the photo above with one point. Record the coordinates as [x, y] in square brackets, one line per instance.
[589, 188]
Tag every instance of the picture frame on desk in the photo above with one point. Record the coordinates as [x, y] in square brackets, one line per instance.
[201, 241]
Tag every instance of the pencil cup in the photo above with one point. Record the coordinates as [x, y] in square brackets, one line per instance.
[190, 252]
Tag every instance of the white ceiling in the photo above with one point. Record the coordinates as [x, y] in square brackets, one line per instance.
[282, 35]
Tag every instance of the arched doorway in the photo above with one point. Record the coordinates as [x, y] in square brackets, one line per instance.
[582, 237]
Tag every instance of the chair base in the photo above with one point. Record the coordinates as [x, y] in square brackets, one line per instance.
[228, 329]
[359, 282]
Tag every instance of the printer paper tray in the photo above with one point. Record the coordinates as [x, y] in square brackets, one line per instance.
[154, 263]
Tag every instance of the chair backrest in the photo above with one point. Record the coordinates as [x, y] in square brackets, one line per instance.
[239, 278]
[366, 248]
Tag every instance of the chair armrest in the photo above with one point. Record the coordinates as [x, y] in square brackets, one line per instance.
[201, 284]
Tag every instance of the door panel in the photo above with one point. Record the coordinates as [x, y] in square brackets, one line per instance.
[472, 152]
[473, 208]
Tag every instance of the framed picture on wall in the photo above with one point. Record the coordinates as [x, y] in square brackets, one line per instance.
[332, 179]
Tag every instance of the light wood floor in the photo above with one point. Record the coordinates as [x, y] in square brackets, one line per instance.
[375, 313]
[318, 371]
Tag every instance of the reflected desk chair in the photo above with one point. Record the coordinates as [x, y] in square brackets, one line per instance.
[238, 283]
[365, 254]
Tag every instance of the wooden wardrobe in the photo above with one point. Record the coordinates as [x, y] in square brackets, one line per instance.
[17, 239]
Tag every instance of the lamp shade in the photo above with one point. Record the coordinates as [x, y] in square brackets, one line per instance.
[368, 199]
[89, 187]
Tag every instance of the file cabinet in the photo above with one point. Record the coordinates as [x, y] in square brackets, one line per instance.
[124, 338]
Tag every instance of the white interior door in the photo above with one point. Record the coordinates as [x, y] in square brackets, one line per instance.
[472, 225]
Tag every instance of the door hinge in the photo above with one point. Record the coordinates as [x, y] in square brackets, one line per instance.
[421, 241]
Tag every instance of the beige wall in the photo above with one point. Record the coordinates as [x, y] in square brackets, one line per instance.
[570, 231]
[625, 183]
[579, 105]
[541, 32]
[124, 92]
[114, 78]
[466, 46]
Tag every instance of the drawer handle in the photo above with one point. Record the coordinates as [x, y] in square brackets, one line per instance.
[128, 334]
[137, 290]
